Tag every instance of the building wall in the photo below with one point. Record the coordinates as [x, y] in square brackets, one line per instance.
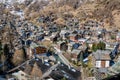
[72, 38]
[39, 50]
[20, 75]
[69, 48]
[118, 38]
[102, 64]
[29, 52]
[98, 64]
[63, 46]
[107, 64]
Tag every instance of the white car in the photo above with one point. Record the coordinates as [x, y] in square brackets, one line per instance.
[47, 64]
[37, 59]
[46, 60]
[72, 69]
[65, 75]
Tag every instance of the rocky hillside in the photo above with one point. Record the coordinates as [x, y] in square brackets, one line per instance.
[106, 11]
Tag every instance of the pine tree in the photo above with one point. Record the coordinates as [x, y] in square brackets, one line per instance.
[101, 45]
[3, 59]
[6, 50]
[94, 47]
[63, 78]
[0, 46]
[1, 50]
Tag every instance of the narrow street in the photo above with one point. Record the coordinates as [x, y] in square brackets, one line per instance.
[65, 61]
[49, 71]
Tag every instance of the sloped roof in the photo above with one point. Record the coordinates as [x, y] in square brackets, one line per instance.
[36, 71]
[28, 69]
[102, 55]
[63, 70]
[33, 45]
[75, 51]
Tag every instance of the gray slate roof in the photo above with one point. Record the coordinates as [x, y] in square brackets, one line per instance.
[75, 51]
[102, 55]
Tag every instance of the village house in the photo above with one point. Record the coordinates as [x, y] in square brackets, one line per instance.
[87, 34]
[40, 36]
[70, 46]
[54, 37]
[75, 54]
[37, 49]
[32, 70]
[73, 37]
[64, 33]
[101, 58]
[62, 45]
[100, 61]
[109, 46]
[82, 40]
[108, 36]
[76, 45]
[20, 75]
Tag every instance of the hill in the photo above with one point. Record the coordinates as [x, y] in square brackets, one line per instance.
[106, 11]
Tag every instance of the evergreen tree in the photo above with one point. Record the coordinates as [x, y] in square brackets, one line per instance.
[3, 59]
[101, 45]
[63, 78]
[94, 47]
[6, 50]
[1, 50]
[0, 46]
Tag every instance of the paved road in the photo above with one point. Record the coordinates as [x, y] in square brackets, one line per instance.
[19, 65]
[65, 61]
[49, 71]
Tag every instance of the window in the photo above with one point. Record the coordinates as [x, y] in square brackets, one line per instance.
[22, 74]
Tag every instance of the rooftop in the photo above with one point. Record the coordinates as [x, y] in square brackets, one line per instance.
[75, 51]
[102, 55]
[64, 71]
